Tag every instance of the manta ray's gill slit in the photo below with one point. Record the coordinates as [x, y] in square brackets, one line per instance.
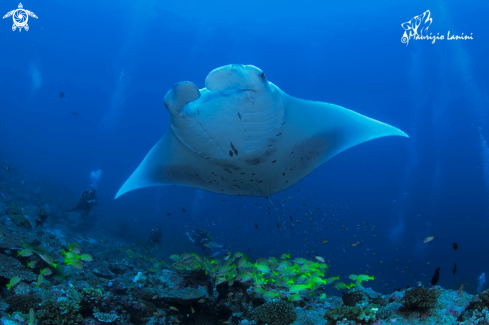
[234, 149]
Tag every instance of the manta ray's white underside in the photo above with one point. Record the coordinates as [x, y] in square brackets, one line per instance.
[242, 135]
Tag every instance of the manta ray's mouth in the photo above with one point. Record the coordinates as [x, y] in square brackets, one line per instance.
[241, 135]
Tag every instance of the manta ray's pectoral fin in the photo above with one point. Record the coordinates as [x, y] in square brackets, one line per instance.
[168, 163]
[329, 129]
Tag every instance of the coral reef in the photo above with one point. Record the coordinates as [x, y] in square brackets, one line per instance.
[10, 266]
[480, 301]
[22, 302]
[98, 287]
[359, 314]
[105, 317]
[63, 311]
[420, 299]
[275, 312]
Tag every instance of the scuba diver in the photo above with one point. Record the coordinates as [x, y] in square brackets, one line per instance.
[87, 199]
[205, 241]
[154, 237]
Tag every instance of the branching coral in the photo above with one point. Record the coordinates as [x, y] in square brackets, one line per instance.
[105, 317]
[60, 312]
[359, 314]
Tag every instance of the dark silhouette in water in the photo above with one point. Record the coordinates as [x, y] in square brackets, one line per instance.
[348, 300]
[42, 215]
[87, 199]
[205, 241]
[154, 237]
[455, 246]
[454, 268]
[436, 277]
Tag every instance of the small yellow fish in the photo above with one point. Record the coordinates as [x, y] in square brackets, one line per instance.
[154, 297]
[193, 311]
[325, 241]
[157, 314]
[25, 252]
[40, 279]
[13, 281]
[174, 308]
[142, 304]
[355, 244]
[201, 301]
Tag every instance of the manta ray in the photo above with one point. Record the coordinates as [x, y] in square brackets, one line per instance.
[242, 135]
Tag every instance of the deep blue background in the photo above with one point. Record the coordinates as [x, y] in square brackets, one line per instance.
[115, 61]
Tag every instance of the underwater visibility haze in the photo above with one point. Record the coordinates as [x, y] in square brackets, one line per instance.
[210, 162]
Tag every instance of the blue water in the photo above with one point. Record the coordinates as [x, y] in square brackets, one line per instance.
[115, 61]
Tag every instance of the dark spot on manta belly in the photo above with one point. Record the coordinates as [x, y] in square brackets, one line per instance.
[314, 149]
[273, 162]
[181, 175]
[254, 161]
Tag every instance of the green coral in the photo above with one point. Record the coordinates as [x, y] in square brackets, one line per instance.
[93, 293]
[359, 314]
[275, 312]
[420, 299]
[91, 296]
[60, 312]
[22, 303]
